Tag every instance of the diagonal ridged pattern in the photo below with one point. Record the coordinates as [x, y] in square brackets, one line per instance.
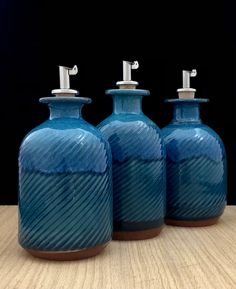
[138, 189]
[64, 212]
[59, 147]
[195, 189]
[196, 172]
[191, 141]
[133, 136]
[65, 183]
[138, 171]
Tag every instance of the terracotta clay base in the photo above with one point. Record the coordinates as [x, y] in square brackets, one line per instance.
[67, 256]
[199, 223]
[136, 235]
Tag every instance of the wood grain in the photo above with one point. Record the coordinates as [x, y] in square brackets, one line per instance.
[179, 258]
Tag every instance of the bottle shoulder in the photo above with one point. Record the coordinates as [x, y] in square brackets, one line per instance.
[192, 140]
[189, 130]
[61, 128]
[65, 145]
[119, 122]
[133, 137]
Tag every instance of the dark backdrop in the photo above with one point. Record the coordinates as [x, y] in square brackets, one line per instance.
[36, 38]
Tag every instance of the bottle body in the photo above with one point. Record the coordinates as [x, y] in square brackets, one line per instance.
[138, 168]
[196, 168]
[65, 187]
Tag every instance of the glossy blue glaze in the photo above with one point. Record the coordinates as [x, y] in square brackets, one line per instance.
[196, 165]
[65, 182]
[138, 163]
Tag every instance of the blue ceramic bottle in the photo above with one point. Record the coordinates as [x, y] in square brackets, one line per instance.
[138, 163]
[196, 164]
[65, 182]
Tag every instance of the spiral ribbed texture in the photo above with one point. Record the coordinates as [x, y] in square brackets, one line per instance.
[64, 212]
[195, 189]
[138, 172]
[196, 173]
[133, 137]
[64, 146]
[138, 189]
[65, 187]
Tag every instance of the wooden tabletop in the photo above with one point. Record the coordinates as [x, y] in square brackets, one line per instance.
[180, 258]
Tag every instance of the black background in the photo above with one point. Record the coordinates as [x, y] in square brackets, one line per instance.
[165, 39]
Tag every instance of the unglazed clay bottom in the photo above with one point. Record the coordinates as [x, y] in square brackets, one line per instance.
[68, 256]
[192, 223]
[136, 235]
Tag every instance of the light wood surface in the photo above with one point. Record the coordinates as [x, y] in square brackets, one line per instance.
[179, 258]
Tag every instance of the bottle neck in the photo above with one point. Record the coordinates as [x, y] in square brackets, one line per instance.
[127, 104]
[127, 101]
[65, 110]
[186, 112]
[65, 107]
